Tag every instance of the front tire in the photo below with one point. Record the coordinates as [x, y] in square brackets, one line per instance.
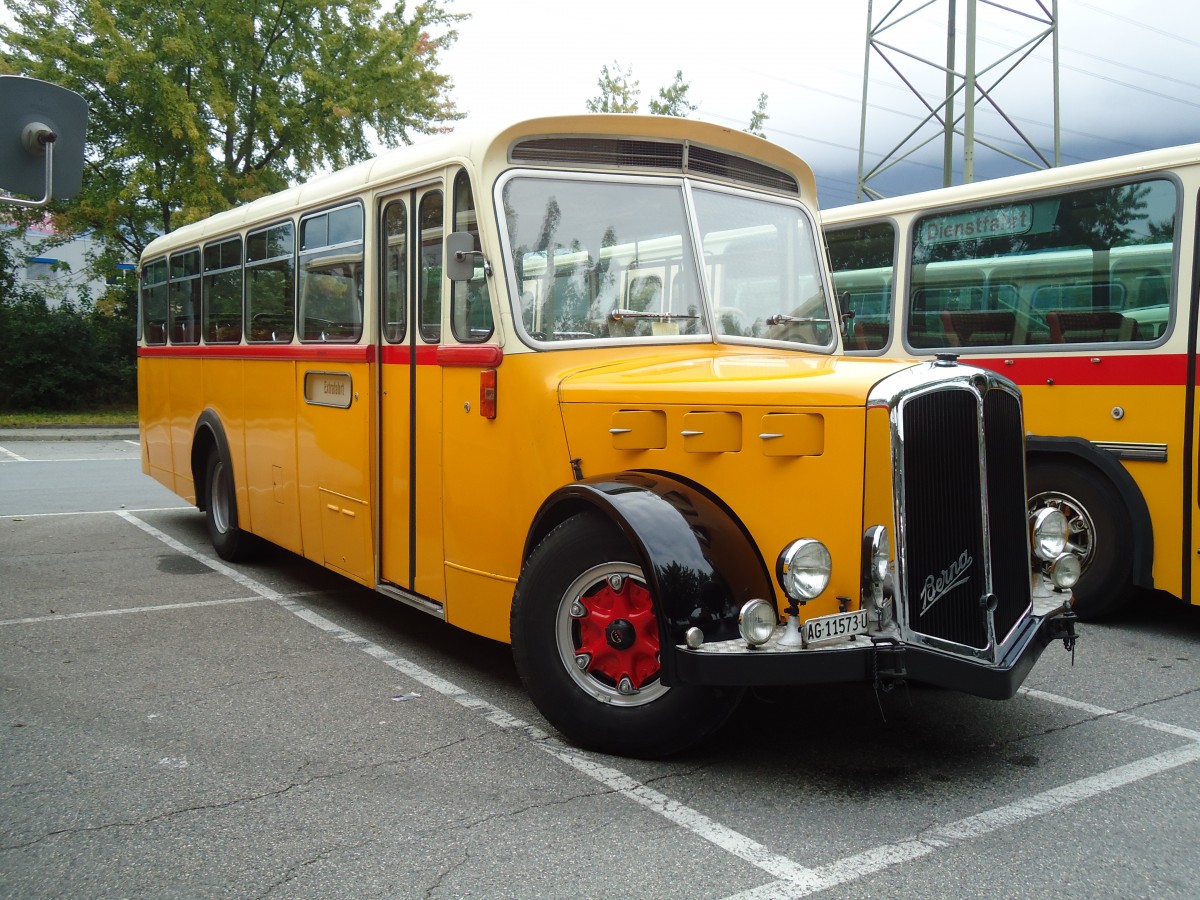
[585, 642]
[220, 511]
[1100, 532]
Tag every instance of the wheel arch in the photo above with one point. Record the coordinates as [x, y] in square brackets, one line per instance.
[696, 554]
[1103, 464]
[209, 433]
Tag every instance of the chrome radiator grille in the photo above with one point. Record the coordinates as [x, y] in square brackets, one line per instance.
[966, 576]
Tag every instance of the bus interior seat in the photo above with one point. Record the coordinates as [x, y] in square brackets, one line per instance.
[1071, 327]
[978, 328]
[869, 336]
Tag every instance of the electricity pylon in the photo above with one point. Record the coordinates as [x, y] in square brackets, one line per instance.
[973, 83]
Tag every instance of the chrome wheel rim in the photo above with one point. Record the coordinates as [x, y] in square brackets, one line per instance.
[607, 636]
[218, 499]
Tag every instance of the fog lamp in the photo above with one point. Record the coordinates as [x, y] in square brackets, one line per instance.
[756, 621]
[1050, 532]
[876, 551]
[1065, 571]
[803, 569]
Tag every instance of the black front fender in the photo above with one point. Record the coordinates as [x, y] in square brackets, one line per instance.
[699, 561]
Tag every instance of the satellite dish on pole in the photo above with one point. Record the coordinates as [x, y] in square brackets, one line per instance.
[42, 129]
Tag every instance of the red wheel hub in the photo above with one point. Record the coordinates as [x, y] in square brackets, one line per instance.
[620, 633]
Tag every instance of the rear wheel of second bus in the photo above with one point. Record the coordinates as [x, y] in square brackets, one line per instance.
[586, 645]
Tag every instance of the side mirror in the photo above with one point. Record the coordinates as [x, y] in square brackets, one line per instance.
[42, 131]
[460, 257]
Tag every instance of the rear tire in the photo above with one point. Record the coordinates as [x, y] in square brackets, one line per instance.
[220, 511]
[586, 644]
[1100, 532]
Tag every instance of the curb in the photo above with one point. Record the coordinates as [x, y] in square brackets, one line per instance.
[80, 433]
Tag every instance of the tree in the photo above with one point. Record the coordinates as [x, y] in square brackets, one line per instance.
[64, 356]
[672, 99]
[759, 117]
[195, 105]
[619, 91]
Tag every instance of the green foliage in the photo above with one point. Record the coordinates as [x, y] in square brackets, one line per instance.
[672, 99]
[619, 91]
[759, 117]
[66, 357]
[195, 105]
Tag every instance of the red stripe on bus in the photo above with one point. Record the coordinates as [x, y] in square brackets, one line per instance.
[401, 355]
[324, 352]
[1146, 369]
[485, 356]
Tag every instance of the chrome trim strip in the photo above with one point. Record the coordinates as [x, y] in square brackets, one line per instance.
[416, 602]
[1133, 450]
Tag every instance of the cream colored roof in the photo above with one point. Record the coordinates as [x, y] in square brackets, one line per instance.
[485, 149]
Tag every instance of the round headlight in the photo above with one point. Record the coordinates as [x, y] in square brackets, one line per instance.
[756, 621]
[804, 568]
[1050, 532]
[1065, 571]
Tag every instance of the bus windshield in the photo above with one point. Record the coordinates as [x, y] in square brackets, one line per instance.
[615, 259]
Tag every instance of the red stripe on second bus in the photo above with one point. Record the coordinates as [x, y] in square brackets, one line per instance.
[1141, 369]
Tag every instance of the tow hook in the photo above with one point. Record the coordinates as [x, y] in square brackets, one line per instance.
[1060, 626]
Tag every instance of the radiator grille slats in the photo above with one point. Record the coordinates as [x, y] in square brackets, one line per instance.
[943, 508]
[1006, 504]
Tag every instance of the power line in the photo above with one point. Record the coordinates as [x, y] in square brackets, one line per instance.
[1137, 24]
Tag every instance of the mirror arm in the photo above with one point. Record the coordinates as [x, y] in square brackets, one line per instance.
[461, 255]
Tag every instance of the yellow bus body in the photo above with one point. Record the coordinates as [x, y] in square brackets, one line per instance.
[1128, 392]
[574, 384]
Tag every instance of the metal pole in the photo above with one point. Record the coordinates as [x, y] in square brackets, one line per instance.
[948, 150]
[862, 128]
[1057, 136]
[969, 99]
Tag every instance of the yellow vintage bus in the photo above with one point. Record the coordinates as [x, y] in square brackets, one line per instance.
[574, 383]
[1079, 284]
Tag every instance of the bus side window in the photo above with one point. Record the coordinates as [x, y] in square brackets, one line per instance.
[271, 284]
[154, 302]
[331, 276]
[861, 260]
[183, 307]
[470, 301]
[222, 292]
[395, 272]
[429, 282]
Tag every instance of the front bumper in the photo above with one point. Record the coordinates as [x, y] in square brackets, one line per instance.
[878, 659]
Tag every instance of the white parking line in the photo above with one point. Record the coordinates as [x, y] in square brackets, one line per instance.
[792, 880]
[58, 617]
[78, 459]
[852, 868]
[697, 823]
[91, 512]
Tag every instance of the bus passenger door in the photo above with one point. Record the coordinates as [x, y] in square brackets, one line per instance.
[411, 237]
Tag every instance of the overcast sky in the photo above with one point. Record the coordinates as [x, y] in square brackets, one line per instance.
[1129, 70]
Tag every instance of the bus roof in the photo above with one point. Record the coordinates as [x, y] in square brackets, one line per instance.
[1149, 161]
[486, 148]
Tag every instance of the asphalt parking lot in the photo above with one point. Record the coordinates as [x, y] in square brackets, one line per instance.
[176, 727]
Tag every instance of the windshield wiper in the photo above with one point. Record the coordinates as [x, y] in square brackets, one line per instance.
[782, 319]
[618, 314]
